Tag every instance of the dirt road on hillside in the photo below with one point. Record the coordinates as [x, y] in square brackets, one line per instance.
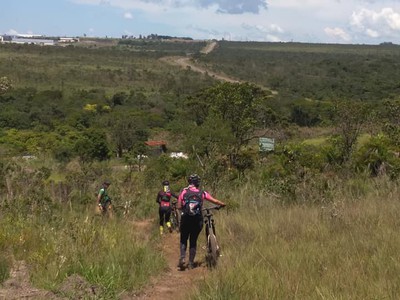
[186, 62]
[209, 47]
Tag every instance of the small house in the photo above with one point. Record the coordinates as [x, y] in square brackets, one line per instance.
[157, 147]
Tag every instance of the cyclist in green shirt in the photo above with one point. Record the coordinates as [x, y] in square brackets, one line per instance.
[103, 199]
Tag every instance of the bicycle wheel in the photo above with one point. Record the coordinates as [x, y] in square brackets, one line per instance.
[212, 250]
[173, 221]
[178, 221]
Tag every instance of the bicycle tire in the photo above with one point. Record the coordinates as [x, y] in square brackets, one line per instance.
[174, 222]
[178, 222]
[212, 250]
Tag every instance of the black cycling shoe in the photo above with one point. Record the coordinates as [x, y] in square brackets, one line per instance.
[190, 265]
[181, 263]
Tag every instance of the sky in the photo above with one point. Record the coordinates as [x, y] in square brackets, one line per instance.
[308, 21]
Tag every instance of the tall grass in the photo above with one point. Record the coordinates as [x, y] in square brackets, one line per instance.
[345, 249]
[108, 253]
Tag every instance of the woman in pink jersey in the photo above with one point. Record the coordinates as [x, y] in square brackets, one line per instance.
[190, 202]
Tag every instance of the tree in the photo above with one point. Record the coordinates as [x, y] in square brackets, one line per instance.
[226, 116]
[392, 124]
[128, 133]
[92, 145]
[350, 118]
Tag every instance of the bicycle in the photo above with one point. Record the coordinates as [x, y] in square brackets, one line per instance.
[175, 218]
[123, 210]
[213, 250]
[105, 209]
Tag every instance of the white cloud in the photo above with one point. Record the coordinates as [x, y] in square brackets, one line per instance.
[359, 21]
[372, 33]
[276, 28]
[374, 23]
[235, 6]
[299, 3]
[272, 28]
[128, 15]
[12, 32]
[221, 6]
[337, 33]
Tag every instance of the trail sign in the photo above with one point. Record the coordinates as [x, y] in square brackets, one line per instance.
[266, 144]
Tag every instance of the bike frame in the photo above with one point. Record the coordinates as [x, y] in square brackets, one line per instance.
[175, 219]
[212, 244]
[209, 222]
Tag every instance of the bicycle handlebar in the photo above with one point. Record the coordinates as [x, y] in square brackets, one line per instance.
[216, 207]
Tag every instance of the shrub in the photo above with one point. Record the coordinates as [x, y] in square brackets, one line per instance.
[377, 157]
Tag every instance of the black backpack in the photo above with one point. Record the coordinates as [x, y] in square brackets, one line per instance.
[192, 202]
[165, 199]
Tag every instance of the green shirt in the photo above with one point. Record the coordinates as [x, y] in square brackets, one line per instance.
[104, 198]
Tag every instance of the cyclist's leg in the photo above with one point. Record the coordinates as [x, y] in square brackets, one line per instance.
[197, 226]
[161, 213]
[184, 236]
[167, 219]
[99, 210]
[109, 210]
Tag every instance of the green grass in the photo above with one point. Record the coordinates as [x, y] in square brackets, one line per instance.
[346, 249]
[4, 269]
[70, 69]
[107, 253]
[316, 141]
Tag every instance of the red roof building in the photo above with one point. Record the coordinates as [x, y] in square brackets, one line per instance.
[158, 147]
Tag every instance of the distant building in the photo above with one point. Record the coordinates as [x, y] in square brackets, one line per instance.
[6, 38]
[32, 41]
[178, 155]
[157, 147]
[68, 40]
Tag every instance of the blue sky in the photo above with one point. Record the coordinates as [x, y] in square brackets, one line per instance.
[316, 21]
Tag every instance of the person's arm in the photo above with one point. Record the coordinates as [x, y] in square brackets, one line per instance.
[210, 198]
[158, 198]
[99, 196]
[180, 199]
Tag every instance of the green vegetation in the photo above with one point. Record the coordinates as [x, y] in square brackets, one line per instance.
[313, 71]
[346, 249]
[58, 244]
[315, 218]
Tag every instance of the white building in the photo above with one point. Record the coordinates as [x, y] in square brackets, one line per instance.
[68, 40]
[21, 40]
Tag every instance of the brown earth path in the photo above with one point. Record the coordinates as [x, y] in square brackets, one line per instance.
[173, 283]
[186, 62]
[170, 284]
[18, 285]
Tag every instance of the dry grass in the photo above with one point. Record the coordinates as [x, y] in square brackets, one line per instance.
[347, 249]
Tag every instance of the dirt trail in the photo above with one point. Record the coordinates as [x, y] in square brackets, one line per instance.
[186, 63]
[173, 283]
[209, 47]
[18, 285]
